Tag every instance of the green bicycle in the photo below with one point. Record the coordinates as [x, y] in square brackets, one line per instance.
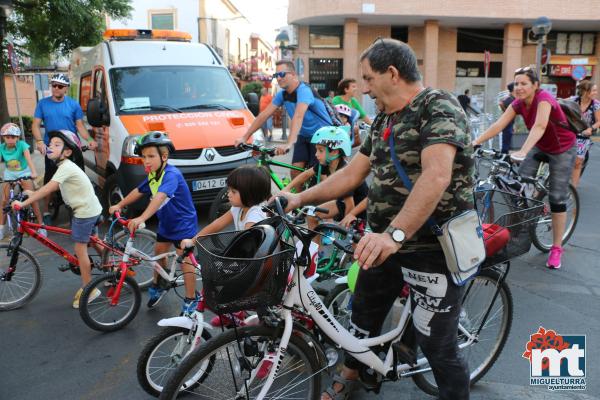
[220, 204]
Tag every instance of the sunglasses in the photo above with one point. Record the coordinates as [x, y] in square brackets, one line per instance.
[57, 86]
[280, 74]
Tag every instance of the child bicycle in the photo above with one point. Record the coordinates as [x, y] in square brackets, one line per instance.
[20, 272]
[120, 297]
[271, 361]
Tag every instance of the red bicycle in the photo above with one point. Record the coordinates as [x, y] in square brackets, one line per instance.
[20, 272]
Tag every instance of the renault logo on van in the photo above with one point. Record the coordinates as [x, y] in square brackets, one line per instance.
[209, 154]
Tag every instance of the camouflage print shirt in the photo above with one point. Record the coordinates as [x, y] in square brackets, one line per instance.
[432, 117]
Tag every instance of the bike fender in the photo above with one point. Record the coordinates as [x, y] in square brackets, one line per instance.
[181, 322]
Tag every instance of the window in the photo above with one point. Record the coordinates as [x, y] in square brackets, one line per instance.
[99, 84]
[480, 40]
[571, 42]
[400, 33]
[85, 89]
[326, 37]
[162, 19]
[474, 69]
[325, 73]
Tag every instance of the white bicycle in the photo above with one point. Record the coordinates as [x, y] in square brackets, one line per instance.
[278, 360]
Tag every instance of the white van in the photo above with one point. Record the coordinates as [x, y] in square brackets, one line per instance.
[137, 81]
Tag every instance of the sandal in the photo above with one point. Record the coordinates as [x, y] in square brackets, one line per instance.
[347, 388]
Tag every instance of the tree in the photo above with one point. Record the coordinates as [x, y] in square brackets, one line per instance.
[48, 26]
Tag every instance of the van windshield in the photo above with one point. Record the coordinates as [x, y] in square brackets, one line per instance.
[168, 89]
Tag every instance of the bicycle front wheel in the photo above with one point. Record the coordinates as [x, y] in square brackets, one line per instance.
[100, 314]
[162, 354]
[20, 277]
[541, 233]
[480, 299]
[233, 365]
[219, 206]
[144, 242]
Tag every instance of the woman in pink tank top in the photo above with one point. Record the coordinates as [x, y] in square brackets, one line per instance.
[549, 139]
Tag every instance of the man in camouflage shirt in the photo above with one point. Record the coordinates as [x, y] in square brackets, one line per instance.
[431, 141]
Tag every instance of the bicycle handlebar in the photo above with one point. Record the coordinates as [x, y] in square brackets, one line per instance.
[124, 221]
[18, 180]
[253, 147]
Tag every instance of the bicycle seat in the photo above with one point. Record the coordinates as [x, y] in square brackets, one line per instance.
[541, 157]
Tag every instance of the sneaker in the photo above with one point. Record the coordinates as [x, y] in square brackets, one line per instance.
[95, 294]
[156, 294]
[189, 305]
[42, 232]
[47, 219]
[554, 257]
[226, 319]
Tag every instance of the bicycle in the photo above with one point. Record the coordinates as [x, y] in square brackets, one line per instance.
[220, 205]
[257, 357]
[20, 272]
[15, 190]
[113, 309]
[504, 176]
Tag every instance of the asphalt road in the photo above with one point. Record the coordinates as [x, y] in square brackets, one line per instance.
[47, 352]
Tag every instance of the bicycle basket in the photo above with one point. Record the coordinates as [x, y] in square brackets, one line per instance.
[507, 220]
[236, 284]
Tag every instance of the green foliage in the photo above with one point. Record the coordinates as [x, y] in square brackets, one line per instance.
[27, 121]
[255, 87]
[47, 26]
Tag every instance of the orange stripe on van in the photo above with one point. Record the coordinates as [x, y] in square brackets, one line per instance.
[193, 130]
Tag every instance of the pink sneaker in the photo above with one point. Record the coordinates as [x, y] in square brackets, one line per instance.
[554, 257]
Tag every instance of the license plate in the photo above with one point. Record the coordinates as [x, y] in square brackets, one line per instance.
[207, 184]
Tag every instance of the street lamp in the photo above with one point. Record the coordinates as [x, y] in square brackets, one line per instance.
[283, 39]
[541, 27]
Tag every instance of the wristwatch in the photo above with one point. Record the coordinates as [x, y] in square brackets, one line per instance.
[397, 234]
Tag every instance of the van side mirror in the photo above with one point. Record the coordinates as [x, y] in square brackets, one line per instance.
[97, 113]
[252, 103]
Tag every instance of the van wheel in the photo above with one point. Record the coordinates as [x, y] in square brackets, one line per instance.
[112, 193]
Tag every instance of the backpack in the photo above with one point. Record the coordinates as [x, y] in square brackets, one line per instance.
[333, 114]
[575, 120]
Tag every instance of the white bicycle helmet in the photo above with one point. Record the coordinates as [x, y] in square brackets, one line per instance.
[10, 129]
[60, 78]
[344, 110]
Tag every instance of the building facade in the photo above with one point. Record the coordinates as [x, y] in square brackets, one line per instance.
[449, 39]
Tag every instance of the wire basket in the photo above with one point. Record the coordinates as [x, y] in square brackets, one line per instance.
[507, 220]
[236, 284]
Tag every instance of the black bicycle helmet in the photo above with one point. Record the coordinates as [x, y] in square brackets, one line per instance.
[153, 138]
[253, 247]
[72, 141]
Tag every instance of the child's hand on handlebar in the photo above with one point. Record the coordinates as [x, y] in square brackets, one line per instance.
[518, 156]
[114, 209]
[186, 243]
[135, 223]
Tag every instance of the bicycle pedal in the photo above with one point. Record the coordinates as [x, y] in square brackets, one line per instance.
[64, 268]
[405, 354]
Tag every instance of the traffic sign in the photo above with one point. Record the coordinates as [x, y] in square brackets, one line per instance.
[578, 72]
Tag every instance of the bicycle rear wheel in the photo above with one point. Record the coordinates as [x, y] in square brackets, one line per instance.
[541, 233]
[162, 355]
[100, 314]
[144, 242]
[229, 360]
[482, 353]
[339, 304]
[20, 277]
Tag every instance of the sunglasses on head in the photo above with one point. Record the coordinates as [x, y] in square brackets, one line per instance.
[280, 74]
[57, 86]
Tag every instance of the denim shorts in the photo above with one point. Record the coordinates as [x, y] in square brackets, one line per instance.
[304, 151]
[83, 228]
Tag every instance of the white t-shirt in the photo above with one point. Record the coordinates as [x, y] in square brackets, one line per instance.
[253, 215]
[77, 190]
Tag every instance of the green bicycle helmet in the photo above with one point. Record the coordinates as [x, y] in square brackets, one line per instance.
[153, 138]
[334, 137]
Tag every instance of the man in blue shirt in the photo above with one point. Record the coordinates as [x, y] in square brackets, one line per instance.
[58, 112]
[307, 112]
